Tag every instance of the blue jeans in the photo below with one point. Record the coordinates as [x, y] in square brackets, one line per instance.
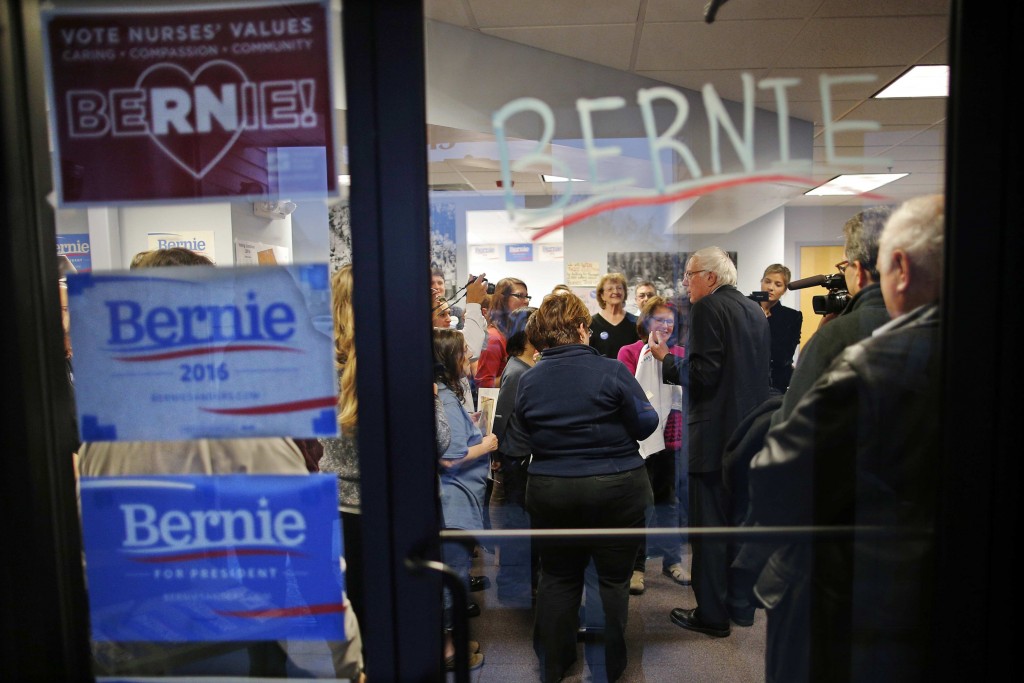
[515, 573]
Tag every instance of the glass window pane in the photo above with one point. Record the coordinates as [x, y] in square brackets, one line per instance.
[652, 178]
[207, 134]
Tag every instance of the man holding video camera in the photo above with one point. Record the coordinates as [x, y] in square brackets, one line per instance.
[860, 451]
[864, 312]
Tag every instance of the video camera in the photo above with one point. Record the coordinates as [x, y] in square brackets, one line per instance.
[833, 302]
[758, 296]
[490, 285]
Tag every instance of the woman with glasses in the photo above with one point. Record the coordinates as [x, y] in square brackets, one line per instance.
[580, 416]
[658, 316]
[785, 324]
[509, 295]
[613, 327]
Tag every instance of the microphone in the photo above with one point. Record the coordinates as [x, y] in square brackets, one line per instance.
[812, 281]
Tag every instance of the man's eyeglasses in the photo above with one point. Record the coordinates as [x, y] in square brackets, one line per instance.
[841, 266]
[522, 297]
[688, 275]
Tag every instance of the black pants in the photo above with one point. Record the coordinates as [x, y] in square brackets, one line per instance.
[709, 507]
[613, 500]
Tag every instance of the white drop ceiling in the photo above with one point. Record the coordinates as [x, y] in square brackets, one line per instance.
[669, 41]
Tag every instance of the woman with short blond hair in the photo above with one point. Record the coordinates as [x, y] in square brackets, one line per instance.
[613, 327]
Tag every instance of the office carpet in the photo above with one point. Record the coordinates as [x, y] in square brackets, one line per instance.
[658, 649]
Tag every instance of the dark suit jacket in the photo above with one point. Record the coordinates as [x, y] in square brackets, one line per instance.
[725, 371]
[785, 326]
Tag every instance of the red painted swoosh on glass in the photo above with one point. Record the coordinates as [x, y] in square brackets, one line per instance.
[292, 407]
[301, 611]
[698, 191]
[209, 554]
[184, 353]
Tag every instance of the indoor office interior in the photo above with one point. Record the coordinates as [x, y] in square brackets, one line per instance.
[551, 143]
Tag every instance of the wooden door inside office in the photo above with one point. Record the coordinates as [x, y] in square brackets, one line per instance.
[818, 260]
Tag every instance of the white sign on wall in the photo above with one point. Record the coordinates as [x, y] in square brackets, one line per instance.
[199, 241]
[550, 252]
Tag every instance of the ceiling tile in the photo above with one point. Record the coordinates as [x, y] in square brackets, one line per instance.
[809, 88]
[448, 11]
[901, 111]
[693, 10]
[506, 13]
[608, 45]
[882, 8]
[863, 43]
[726, 45]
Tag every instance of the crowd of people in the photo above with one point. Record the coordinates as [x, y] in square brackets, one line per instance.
[690, 414]
[615, 421]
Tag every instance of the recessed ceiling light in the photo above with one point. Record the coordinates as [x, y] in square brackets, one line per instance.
[855, 183]
[559, 179]
[344, 180]
[919, 81]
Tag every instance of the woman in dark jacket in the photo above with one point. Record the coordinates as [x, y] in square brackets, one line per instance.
[785, 324]
[580, 415]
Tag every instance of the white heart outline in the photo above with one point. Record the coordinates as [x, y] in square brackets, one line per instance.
[192, 78]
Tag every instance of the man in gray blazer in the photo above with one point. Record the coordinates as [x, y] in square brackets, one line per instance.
[725, 374]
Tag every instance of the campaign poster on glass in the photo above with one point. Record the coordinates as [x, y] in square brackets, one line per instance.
[179, 353]
[191, 102]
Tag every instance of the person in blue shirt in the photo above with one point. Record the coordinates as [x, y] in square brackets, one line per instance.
[580, 415]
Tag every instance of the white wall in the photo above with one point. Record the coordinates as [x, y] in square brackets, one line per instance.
[136, 222]
[245, 225]
[757, 244]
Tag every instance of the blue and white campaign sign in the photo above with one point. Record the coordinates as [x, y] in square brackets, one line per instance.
[78, 250]
[213, 558]
[518, 252]
[182, 353]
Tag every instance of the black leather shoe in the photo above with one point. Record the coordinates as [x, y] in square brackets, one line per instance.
[742, 617]
[478, 583]
[474, 610]
[687, 618]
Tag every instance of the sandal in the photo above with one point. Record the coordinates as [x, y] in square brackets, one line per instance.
[677, 574]
[476, 660]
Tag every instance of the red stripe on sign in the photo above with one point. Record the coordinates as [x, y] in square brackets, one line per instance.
[204, 352]
[208, 554]
[292, 407]
[301, 611]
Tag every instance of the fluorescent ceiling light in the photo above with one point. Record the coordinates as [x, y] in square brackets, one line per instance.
[855, 183]
[344, 180]
[559, 179]
[920, 81]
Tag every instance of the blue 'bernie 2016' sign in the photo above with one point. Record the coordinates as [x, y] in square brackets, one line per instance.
[163, 354]
[213, 558]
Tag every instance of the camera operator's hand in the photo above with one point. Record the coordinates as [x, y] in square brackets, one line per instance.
[825, 319]
[476, 290]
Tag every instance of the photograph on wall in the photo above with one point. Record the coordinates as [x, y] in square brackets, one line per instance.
[663, 269]
[339, 240]
[442, 242]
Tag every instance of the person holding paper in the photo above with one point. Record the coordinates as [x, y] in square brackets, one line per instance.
[658, 317]
[463, 466]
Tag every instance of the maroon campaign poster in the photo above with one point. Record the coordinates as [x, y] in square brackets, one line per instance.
[193, 103]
